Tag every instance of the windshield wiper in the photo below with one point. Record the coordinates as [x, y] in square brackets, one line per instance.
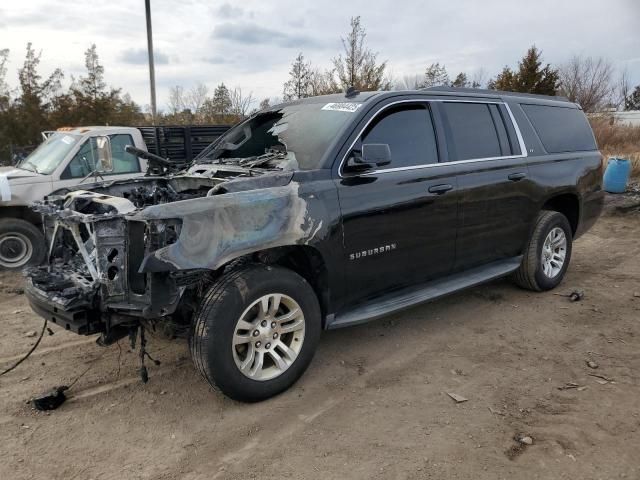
[253, 162]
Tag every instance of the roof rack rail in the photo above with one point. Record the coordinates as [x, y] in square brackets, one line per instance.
[486, 91]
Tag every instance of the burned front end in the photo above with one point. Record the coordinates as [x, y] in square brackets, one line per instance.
[93, 281]
[140, 253]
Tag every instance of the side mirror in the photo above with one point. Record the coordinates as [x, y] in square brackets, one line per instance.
[378, 154]
[105, 159]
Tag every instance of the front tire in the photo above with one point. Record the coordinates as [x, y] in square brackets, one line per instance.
[548, 253]
[256, 331]
[21, 244]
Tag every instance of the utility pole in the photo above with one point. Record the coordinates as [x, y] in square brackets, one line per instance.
[152, 71]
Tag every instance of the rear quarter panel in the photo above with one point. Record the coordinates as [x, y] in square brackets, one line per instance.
[578, 173]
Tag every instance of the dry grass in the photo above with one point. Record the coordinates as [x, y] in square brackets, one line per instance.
[615, 140]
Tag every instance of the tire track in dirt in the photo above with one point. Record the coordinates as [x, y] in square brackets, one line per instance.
[262, 445]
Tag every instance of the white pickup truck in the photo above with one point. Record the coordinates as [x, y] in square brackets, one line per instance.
[68, 157]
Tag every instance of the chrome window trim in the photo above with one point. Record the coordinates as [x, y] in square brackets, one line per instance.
[523, 150]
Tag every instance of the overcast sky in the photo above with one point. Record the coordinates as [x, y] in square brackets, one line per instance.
[251, 44]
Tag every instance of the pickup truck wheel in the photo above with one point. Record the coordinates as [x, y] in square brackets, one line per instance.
[21, 244]
[256, 331]
[548, 253]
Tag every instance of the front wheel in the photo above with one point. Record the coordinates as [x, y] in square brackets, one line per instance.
[256, 331]
[21, 244]
[548, 253]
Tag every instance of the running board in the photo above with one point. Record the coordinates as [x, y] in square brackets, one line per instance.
[408, 297]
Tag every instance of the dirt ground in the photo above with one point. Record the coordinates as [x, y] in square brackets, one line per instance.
[373, 404]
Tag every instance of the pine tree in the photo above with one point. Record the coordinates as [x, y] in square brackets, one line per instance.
[96, 103]
[221, 100]
[216, 109]
[4, 88]
[435, 75]
[35, 99]
[358, 67]
[460, 81]
[531, 77]
[299, 83]
[632, 102]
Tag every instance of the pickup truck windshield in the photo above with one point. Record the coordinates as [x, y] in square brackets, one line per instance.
[304, 130]
[48, 156]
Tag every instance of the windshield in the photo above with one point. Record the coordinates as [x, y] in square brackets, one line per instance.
[46, 158]
[297, 135]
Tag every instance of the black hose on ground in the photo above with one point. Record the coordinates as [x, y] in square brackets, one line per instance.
[44, 327]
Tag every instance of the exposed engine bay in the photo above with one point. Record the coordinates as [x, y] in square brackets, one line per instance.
[99, 238]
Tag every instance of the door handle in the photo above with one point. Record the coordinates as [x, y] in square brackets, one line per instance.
[516, 177]
[440, 189]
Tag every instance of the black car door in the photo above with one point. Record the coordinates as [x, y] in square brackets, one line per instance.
[399, 220]
[496, 205]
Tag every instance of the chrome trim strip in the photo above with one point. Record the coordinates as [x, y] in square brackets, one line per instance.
[523, 148]
[439, 164]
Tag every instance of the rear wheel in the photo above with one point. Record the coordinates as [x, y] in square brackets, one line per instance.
[256, 331]
[548, 253]
[21, 244]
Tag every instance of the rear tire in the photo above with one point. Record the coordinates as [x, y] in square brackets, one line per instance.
[21, 244]
[255, 331]
[548, 253]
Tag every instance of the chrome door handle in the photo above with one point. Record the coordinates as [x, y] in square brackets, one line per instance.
[440, 189]
[516, 177]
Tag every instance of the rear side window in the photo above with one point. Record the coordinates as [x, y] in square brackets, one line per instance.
[123, 161]
[561, 129]
[409, 133]
[471, 131]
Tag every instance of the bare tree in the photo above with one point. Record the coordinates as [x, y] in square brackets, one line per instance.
[323, 83]
[587, 81]
[240, 103]
[409, 82]
[479, 78]
[176, 99]
[195, 97]
[622, 89]
[264, 103]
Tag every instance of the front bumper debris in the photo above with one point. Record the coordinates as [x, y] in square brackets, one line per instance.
[64, 299]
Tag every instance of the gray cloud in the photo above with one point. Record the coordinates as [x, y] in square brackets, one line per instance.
[229, 11]
[219, 60]
[256, 41]
[139, 56]
[252, 34]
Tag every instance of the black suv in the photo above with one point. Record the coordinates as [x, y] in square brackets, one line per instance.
[318, 214]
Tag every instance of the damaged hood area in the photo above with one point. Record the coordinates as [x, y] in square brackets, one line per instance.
[217, 229]
[108, 238]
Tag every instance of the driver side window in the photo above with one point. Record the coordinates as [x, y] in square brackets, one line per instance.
[83, 163]
[408, 130]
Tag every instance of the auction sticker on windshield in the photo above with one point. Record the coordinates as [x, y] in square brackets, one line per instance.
[68, 139]
[342, 107]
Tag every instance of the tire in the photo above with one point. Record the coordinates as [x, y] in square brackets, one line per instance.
[532, 273]
[239, 295]
[21, 244]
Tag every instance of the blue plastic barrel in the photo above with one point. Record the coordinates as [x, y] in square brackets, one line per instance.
[616, 175]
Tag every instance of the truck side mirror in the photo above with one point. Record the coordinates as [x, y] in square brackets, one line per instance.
[105, 159]
[378, 154]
